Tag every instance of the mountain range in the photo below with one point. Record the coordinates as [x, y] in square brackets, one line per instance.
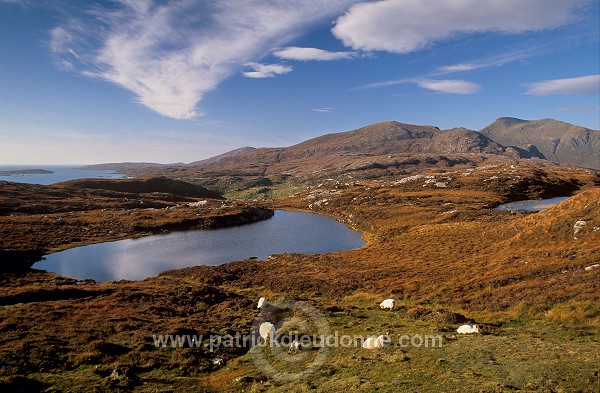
[397, 146]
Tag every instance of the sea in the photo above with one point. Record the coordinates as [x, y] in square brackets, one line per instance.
[60, 173]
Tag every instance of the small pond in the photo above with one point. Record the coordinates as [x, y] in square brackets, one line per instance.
[134, 259]
[537, 205]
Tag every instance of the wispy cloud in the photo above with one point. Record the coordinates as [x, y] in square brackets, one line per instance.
[579, 108]
[583, 85]
[323, 110]
[308, 54]
[454, 86]
[498, 60]
[170, 54]
[403, 26]
[63, 43]
[528, 50]
[460, 67]
[516, 55]
[392, 82]
[266, 70]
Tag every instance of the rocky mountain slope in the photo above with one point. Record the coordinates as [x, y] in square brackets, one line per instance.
[216, 159]
[382, 150]
[346, 149]
[505, 139]
[559, 142]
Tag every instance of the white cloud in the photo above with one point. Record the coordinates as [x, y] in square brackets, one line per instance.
[323, 110]
[169, 54]
[266, 70]
[307, 54]
[583, 85]
[403, 26]
[455, 86]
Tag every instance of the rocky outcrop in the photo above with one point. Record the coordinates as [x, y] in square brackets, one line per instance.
[462, 140]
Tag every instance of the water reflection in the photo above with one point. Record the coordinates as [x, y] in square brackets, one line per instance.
[135, 259]
[537, 205]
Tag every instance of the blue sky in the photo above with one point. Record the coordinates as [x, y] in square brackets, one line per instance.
[181, 80]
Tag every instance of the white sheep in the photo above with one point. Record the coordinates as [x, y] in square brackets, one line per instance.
[262, 303]
[388, 304]
[217, 362]
[295, 346]
[265, 330]
[374, 342]
[468, 329]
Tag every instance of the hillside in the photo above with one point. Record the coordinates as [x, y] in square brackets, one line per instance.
[388, 138]
[371, 147]
[434, 244]
[559, 142]
[216, 159]
[392, 147]
[162, 185]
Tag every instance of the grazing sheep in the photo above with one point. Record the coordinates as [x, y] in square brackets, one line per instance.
[295, 346]
[217, 362]
[468, 329]
[374, 342]
[262, 303]
[388, 304]
[265, 330]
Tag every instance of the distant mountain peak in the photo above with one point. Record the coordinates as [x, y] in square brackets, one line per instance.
[559, 142]
[510, 121]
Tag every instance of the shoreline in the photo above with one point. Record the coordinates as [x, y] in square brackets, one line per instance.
[37, 220]
[22, 259]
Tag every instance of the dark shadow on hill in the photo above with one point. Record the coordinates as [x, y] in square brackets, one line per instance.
[151, 185]
[15, 261]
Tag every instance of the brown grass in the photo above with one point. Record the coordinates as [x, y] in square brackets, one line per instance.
[437, 249]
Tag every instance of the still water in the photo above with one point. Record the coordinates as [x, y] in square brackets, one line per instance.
[537, 205]
[60, 173]
[134, 259]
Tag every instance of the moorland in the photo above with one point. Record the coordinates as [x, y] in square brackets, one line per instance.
[424, 200]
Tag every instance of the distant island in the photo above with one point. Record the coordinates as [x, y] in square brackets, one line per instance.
[24, 172]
